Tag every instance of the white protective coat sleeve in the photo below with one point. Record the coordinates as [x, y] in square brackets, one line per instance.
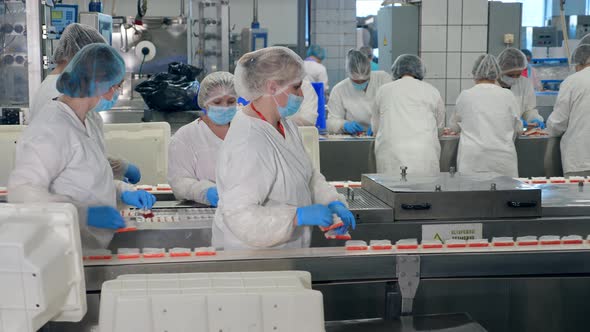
[32, 183]
[180, 177]
[455, 119]
[337, 112]
[119, 167]
[375, 116]
[323, 192]
[439, 114]
[254, 224]
[558, 120]
[308, 113]
[528, 100]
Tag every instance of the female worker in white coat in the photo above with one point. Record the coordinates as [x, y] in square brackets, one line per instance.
[352, 101]
[192, 154]
[315, 71]
[512, 62]
[59, 160]
[488, 117]
[74, 37]
[269, 194]
[407, 120]
[571, 116]
[308, 113]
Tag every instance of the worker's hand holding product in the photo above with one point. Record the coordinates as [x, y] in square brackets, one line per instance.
[105, 217]
[140, 199]
[314, 215]
[341, 211]
[212, 196]
[525, 124]
[133, 174]
[369, 131]
[538, 123]
[353, 128]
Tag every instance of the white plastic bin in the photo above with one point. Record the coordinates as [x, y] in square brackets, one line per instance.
[258, 302]
[41, 272]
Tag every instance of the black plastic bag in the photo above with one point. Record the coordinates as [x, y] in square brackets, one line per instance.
[173, 91]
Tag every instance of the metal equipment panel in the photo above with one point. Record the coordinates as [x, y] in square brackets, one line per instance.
[504, 18]
[458, 196]
[398, 33]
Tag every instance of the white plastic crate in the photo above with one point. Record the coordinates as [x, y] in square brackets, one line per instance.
[8, 138]
[311, 142]
[258, 301]
[143, 144]
[41, 271]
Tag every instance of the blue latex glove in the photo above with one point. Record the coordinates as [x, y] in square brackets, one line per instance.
[369, 131]
[140, 199]
[105, 217]
[351, 127]
[314, 215]
[133, 175]
[539, 123]
[212, 196]
[341, 211]
[524, 123]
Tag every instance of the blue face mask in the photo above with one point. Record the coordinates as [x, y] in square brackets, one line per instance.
[361, 86]
[221, 115]
[293, 104]
[104, 105]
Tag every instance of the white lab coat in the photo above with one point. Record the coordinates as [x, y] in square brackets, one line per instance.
[262, 179]
[316, 72]
[348, 104]
[308, 112]
[407, 119]
[571, 118]
[489, 120]
[524, 91]
[59, 159]
[192, 156]
[46, 93]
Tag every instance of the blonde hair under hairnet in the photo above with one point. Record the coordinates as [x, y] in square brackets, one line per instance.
[486, 68]
[256, 69]
[512, 59]
[358, 66]
[215, 85]
[74, 37]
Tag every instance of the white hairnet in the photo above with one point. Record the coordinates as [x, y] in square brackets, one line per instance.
[358, 66]
[367, 51]
[581, 55]
[215, 85]
[74, 37]
[92, 72]
[486, 68]
[512, 59]
[585, 40]
[255, 69]
[408, 64]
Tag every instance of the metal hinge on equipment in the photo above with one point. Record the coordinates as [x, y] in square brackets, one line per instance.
[408, 276]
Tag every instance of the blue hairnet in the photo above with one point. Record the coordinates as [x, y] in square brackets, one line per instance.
[581, 56]
[358, 66]
[92, 72]
[486, 68]
[408, 64]
[316, 51]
